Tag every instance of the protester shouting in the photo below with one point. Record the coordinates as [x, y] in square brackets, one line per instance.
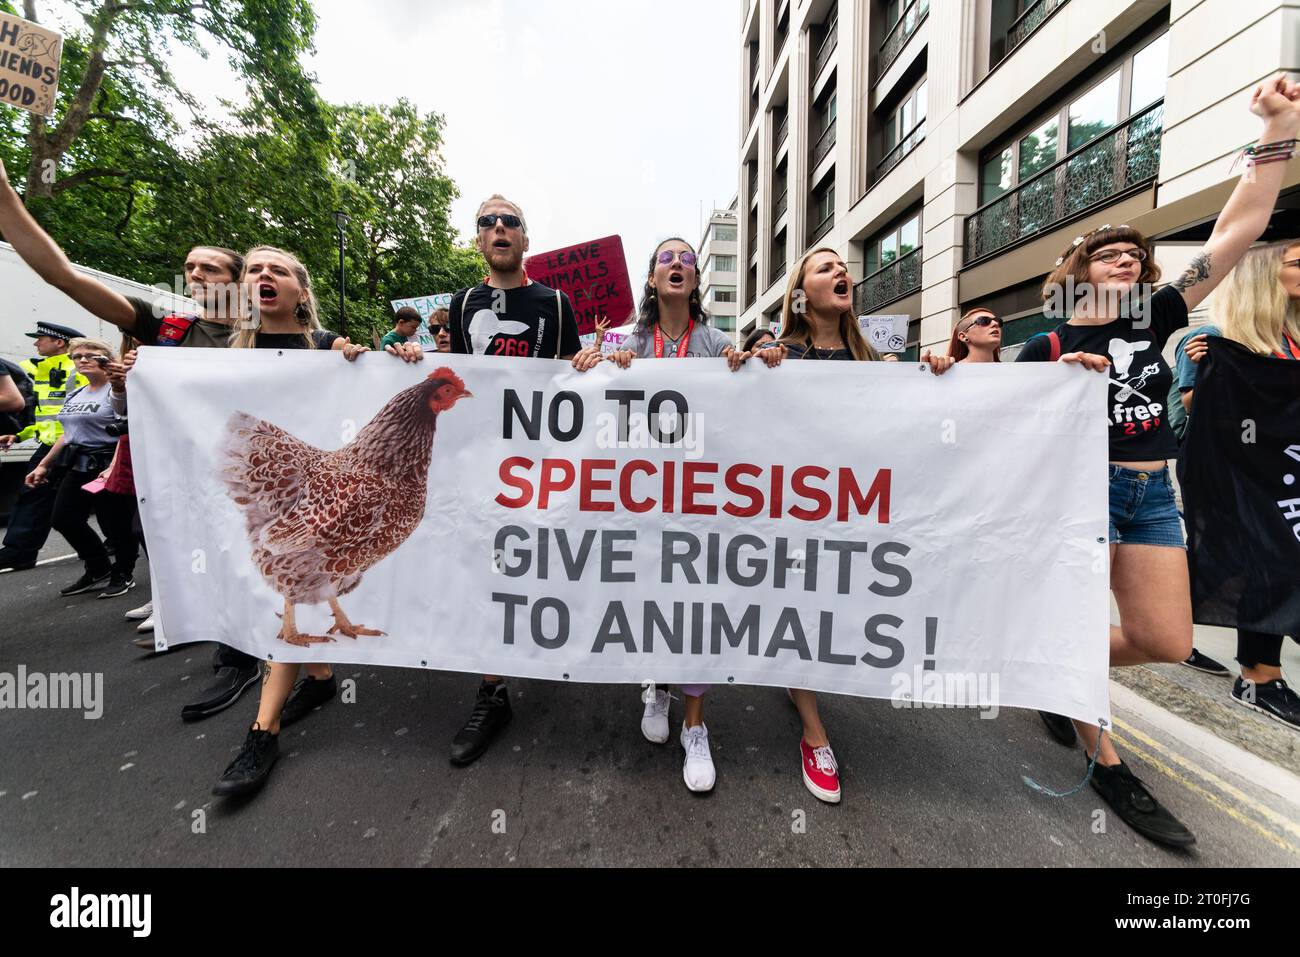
[817, 323]
[281, 313]
[506, 315]
[210, 276]
[1257, 306]
[672, 323]
[1101, 283]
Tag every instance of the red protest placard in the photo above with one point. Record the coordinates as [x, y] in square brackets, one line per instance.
[594, 275]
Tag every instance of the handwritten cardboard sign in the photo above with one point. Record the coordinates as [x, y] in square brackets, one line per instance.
[594, 275]
[425, 306]
[29, 64]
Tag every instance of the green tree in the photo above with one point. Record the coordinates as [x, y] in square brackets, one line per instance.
[127, 44]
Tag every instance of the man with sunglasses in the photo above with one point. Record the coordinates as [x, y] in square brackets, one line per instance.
[505, 315]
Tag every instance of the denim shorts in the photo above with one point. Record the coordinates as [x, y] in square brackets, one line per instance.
[1142, 509]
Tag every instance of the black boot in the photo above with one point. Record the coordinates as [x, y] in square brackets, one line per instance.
[491, 713]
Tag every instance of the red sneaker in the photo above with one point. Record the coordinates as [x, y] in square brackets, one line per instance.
[820, 772]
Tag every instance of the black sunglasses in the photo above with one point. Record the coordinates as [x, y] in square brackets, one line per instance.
[435, 329]
[984, 321]
[509, 220]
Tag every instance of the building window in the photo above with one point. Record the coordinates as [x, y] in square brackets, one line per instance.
[894, 243]
[724, 293]
[904, 128]
[724, 234]
[825, 203]
[1129, 89]
[722, 264]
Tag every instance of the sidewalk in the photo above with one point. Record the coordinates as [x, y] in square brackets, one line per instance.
[1206, 700]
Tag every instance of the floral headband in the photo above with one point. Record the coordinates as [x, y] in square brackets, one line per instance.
[1080, 239]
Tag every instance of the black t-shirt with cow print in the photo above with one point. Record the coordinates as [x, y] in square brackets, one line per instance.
[1139, 376]
[532, 322]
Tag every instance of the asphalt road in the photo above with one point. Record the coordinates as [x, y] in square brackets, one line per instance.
[571, 781]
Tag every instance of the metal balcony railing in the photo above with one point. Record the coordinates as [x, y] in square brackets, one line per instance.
[827, 47]
[904, 146]
[900, 278]
[1114, 163]
[1028, 22]
[825, 143]
[779, 208]
[778, 267]
[782, 131]
[900, 33]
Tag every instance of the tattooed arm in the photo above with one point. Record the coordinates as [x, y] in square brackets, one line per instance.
[1245, 216]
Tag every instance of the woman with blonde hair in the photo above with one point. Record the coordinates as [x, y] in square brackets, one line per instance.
[1258, 306]
[75, 461]
[280, 312]
[817, 323]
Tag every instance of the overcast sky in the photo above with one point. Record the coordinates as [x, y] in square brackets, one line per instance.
[599, 117]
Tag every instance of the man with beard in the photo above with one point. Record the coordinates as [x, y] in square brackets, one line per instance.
[506, 315]
[211, 279]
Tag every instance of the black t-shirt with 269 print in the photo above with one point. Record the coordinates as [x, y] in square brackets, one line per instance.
[1139, 376]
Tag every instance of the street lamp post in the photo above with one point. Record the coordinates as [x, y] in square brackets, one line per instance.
[341, 221]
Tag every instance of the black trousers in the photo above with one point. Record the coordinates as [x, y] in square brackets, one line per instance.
[29, 522]
[1255, 648]
[72, 511]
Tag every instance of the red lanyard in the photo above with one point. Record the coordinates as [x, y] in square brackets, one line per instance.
[1295, 350]
[681, 346]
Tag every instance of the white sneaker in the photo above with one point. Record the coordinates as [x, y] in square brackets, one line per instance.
[141, 613]
[697, 771]
[145, 626]
[654, 721]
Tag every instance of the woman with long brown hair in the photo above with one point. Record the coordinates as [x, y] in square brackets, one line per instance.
[817, 323]
[1100, 287]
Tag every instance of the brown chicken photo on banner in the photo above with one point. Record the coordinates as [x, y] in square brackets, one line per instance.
[318, 520]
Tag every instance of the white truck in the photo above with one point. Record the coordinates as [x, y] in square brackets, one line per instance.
[26, 299]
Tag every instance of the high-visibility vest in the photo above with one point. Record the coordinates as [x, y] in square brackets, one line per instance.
[55, 378]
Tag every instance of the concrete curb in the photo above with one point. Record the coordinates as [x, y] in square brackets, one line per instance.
[1206, 701]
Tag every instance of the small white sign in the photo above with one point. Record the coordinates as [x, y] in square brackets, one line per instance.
[885, 333]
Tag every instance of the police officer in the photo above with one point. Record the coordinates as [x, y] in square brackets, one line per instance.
[55, 377]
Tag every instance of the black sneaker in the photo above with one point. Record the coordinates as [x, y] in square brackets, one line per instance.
[249, 771]
[1137, 807]
[221, 694]
[86, 582]
[10, 564]
[117, 585]
[1207, 664]
[491, 713]
[1061, 727]
[1272, 698]
[308, 695]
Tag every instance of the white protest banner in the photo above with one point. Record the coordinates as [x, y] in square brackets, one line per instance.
[29, 64]
[426, 306]
[632, 525]
[886, 333]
